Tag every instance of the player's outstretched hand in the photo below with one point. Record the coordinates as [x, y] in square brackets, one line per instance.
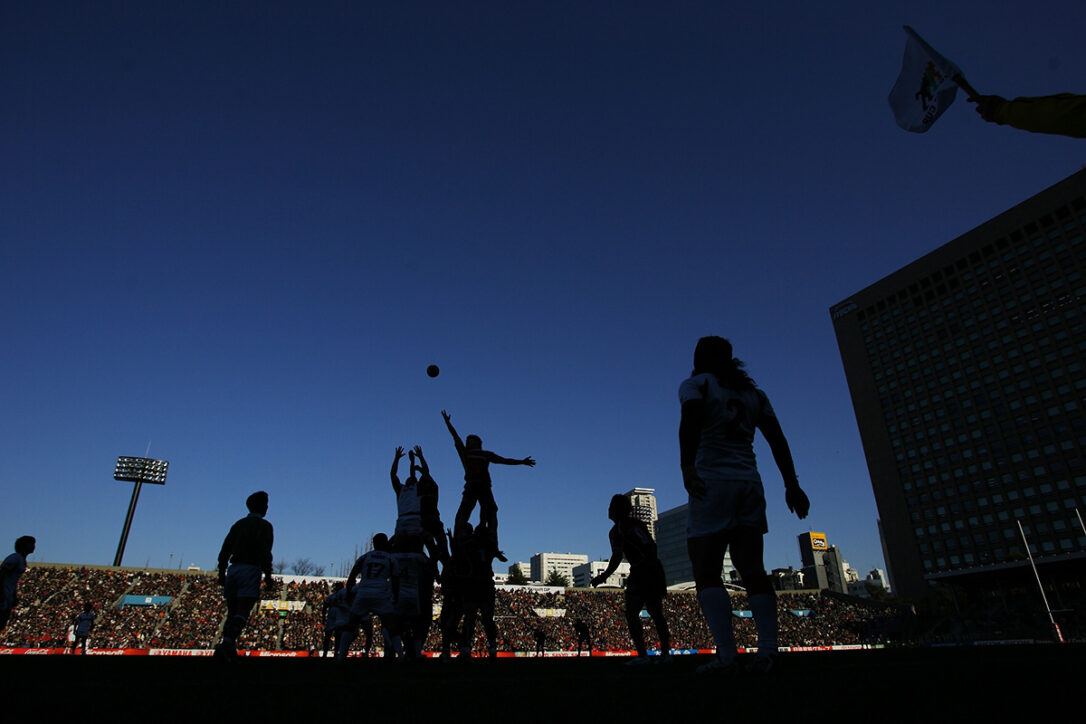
[693, 483]
[417, 450]
[797, 501]
[529, 462]
[399, 451]
[446, 416]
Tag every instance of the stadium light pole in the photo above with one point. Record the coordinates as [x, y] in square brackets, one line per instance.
[138, 471]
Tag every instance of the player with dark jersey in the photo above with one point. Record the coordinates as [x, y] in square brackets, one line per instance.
[433, 530]
[477, 590]
[248, 552]
[645, 586]
[477, 485]
[11, 570]
[83, 625]
[584, 636]
[452, 600]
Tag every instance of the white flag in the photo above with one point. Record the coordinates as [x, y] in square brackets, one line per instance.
[925, 88]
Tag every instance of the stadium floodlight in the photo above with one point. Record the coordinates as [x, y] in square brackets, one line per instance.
[138, 471]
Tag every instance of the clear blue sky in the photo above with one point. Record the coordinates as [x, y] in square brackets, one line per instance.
[241, 232]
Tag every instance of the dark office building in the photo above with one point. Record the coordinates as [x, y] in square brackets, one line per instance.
[966, 375]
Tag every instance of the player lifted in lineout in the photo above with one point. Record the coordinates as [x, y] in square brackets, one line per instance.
[646, 586]
[476, 462]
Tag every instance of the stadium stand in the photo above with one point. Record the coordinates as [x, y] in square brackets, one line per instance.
[192, 616]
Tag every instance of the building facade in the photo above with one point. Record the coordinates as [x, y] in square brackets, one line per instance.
[584, 573]
[643, 501]
[544, 563]
[671, 547]
[966, 374]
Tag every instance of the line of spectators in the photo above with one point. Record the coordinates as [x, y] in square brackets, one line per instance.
[51, 596]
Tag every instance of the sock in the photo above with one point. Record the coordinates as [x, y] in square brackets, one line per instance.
[764, 608]
[345, 641]
[716, 605]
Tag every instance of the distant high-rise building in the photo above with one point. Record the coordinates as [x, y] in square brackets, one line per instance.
[643, 501]
[966, 371]
[823, 565]
[671, 546]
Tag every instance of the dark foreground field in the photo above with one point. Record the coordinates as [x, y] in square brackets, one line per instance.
[945, 684]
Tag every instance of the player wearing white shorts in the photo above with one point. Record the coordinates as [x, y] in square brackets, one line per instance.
[414, 598]
[376, 574]
[337, 614]
[721, 409]
[248, 551]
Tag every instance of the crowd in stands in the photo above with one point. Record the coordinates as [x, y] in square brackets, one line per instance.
[51, 596]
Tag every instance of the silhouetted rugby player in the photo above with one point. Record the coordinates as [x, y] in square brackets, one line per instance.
[721, 409]
[645, 586]
[433, 530]
[476, 462]
[11, 570]
[248, 551]
[477, 588]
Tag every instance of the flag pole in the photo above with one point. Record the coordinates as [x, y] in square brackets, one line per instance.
[1048, 609]
[965, 86]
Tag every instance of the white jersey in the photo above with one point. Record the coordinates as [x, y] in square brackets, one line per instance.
[407, 501]
[408, 506]
[375, 575]
[725, 461]
[726, 448]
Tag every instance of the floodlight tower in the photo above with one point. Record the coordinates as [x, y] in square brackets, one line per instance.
[138, 471]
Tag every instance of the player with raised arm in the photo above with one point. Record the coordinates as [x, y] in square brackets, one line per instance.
[11, 570]
[433, 530]
[645, 587]
[374, 594]
[477, 484]
[84, 624]
[248, 551]
[721, 409]
[408, 516]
